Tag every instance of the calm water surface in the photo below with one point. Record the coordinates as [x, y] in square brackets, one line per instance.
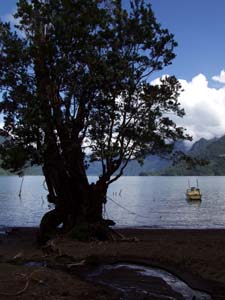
[157, 202]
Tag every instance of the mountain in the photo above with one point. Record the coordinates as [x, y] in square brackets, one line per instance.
[200, 146]
[212, 150]
[153, 164]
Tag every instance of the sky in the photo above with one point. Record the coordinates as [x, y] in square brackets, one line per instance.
[199, 29]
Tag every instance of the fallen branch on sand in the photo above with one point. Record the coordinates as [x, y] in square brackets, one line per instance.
[20, 291]
[28, 279]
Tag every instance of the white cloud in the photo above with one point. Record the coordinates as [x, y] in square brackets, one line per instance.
[157, 80]
[220, 78]
[204, 107]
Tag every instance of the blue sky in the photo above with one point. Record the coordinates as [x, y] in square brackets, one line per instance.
[199, 29]
[7, 6]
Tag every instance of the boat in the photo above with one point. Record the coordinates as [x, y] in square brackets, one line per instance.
[193, 193]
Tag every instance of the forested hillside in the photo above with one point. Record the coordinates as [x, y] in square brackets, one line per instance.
[211, 150]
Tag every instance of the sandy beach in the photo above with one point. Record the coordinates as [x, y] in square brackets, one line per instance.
[55, 271]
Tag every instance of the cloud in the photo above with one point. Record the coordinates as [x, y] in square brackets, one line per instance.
[220, 78]
[204, 107]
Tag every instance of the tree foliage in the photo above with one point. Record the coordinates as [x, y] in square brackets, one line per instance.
[75, 77]
[95, 63]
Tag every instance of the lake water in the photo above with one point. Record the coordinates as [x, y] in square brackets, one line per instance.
[156, 202]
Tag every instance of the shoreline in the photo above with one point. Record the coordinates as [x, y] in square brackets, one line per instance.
[197, 256]
[125, 228]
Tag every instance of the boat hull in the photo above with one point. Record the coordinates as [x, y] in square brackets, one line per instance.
[194, 197]
[193, 194]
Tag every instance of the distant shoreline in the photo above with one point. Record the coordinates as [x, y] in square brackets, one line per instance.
[36, 175]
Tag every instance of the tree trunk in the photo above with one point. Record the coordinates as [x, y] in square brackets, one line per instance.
[78, 206]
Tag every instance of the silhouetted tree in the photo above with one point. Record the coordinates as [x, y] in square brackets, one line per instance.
[75, 78]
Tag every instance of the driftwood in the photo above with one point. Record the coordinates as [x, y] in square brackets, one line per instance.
[28, 279]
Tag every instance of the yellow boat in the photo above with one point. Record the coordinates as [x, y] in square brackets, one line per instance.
[193, 193]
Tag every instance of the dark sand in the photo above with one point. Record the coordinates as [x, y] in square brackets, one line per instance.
[196, 256]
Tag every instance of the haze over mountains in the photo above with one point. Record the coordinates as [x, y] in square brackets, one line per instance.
[212, 150]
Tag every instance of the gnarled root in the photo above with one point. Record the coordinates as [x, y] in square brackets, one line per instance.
[49, 224]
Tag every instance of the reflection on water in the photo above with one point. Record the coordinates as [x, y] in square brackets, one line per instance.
[158, 202]
[26, 210]
[145, 282]
[196, 203]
